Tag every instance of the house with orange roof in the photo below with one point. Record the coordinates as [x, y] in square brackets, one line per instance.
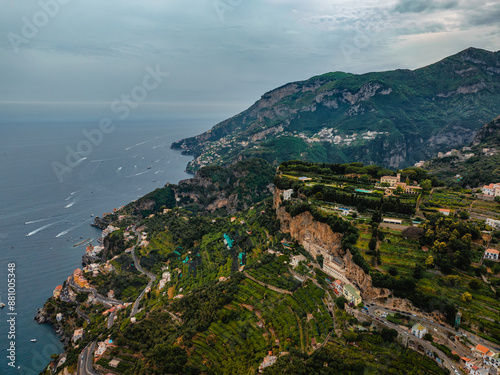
[480, 351]
[339, 286]
[491, 254]
[445, 211]
[492, 190]
[57, 291]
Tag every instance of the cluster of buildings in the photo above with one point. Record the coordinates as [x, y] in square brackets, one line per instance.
[461, 156]
[79, 279]
[109, 229]
[330, 135]
[93, 251]
[485, 362]
[270, 360]
[96, 268]
[166, 277]
[489, 151]
[394, 182]
[116, 308]
[493, 223]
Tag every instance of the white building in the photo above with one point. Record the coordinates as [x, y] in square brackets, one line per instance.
[493, 223]
[419, 330]
[287, 194]
[296, 259]
[493, 190]
[491, 254]
[78, 334]
[390, 220]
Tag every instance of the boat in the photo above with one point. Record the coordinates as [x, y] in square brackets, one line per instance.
[2, 305]
[33, 340]
[149, 167]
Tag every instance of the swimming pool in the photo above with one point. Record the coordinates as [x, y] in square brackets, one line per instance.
[364, 191]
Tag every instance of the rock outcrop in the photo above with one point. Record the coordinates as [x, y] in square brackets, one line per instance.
[314, 235]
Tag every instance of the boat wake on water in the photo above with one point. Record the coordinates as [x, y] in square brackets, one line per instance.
[67, 231]
[70, 204]
[40, 229]
[36, 221]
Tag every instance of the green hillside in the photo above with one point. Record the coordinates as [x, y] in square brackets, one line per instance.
[392, 118]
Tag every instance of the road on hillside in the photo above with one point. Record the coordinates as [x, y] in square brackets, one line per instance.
[410, 338]
[85, 361]
[152, 278]
[441, 327]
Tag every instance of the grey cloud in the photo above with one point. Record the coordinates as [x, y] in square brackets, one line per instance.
[419, 6]
[486, 15]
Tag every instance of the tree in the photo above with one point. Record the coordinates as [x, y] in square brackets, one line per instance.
[466, 297]
[429, 262]
[320, 260]
[393, 271]
[428, 337]
[377, 217]
[372, 245]
[389, 335]
[340, 302]
[475, 284]
[426, 185]
[464, 215]
[418, 271]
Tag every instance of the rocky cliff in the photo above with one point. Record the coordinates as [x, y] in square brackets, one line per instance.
[316, 235]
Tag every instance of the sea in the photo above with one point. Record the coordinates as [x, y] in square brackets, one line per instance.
[55, 177]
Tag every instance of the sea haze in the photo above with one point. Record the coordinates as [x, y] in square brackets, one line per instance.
[41, 218]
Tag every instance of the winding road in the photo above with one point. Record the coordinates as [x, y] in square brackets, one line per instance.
[85, 361]
[152, 278]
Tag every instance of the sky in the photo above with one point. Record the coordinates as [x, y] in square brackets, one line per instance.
[212, 58]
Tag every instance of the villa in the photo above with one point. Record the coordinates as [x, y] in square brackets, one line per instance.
[419, 330]
[352, 294]
[491, 254]
[492, 190]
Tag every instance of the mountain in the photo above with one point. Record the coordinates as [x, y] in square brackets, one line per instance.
[475, 165]
[393, 118]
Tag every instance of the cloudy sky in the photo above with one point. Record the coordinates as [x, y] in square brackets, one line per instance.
[68, 57]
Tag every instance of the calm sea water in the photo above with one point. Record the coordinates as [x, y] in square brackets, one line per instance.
[41, 218]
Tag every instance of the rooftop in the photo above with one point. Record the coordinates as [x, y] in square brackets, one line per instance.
[418, 327]
[352, 290]
[482, 349]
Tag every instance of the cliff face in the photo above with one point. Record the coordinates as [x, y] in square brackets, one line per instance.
[489, 134]
[316, 235]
